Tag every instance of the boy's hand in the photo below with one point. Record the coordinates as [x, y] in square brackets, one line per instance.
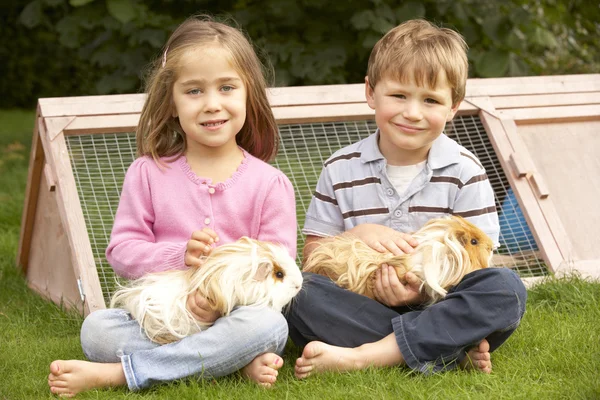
[199, 245]
[200, 309]
[391, 292]
[384, 239]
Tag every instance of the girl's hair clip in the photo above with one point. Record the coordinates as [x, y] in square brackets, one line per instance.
[164, 60]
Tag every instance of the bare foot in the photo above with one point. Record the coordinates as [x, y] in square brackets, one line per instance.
[263, 369]
[478, 358]
[67, 378]
[320, 357]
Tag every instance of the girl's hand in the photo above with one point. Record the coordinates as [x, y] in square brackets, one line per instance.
[200, 309]
[198, 246]
[385, 239]
[391, 292]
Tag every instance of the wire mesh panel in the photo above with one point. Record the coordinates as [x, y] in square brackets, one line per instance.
[99, 163]
[518, 249]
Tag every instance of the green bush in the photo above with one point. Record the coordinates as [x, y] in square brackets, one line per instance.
[75, 47]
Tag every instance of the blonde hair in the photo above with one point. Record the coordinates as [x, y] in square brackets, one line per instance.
[159, 134]
[422, 49]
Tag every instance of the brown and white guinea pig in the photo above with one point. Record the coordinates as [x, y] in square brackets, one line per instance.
[245, 272]
[449, 248]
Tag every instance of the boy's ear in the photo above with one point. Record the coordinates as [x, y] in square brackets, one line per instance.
[369, 93]
[453, 112]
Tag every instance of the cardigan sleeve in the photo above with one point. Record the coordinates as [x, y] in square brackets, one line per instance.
[132, 250]
[278, 214]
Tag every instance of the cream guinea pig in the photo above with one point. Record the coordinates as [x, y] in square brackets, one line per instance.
[245, 272]
[449, 248]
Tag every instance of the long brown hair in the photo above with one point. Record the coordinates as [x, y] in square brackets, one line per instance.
[159, 134]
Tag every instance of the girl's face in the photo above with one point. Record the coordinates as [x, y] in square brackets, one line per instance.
[210, 100]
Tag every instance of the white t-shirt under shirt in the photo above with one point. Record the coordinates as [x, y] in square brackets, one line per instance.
[402, 175]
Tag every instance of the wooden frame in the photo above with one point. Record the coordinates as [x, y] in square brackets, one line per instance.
[54, 248]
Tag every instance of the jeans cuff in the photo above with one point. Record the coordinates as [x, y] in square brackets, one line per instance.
[128, 371]
[411, 359]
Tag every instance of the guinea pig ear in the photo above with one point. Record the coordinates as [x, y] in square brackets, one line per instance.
[264, 270]
[460, 234]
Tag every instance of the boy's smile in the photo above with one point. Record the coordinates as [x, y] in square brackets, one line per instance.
[409, 117]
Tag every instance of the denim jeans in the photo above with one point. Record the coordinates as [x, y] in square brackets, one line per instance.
[111, 336]
[486, 304]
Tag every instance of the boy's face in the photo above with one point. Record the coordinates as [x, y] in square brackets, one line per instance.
[409, 117]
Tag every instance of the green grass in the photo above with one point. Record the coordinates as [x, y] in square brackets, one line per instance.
[555, 353]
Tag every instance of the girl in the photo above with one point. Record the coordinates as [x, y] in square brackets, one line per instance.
[203, 137]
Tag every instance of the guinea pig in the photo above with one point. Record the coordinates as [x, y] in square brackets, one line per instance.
[449, 248]
[245, 272]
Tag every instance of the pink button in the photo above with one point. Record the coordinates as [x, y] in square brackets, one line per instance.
[207, 221]
[211, 190]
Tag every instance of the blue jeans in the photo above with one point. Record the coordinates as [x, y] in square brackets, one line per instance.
[112, 336]
[486, 304]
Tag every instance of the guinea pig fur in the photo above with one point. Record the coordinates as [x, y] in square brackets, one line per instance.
[449, 248]
[245, 272]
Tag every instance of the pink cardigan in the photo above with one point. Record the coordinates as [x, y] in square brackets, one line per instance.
[160, 208]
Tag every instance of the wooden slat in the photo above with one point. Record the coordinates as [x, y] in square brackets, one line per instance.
[284, 115]
[34, 175]
[92, 105]
[120, 123]
[71, 215]
[506, 88]
[51, 271]
[552, 114]
[566, 155]
[533, 85]
[545, 100]
[525, 197]
[539, 191]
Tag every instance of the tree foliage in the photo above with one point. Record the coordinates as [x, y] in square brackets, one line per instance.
[71, 47]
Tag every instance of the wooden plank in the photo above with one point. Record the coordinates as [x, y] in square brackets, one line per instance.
[72, 219]
[525, 197]
[521, 167]
[507, 88]
[50, 271]
[120, 123]
[552, 114]
[56, 125]
[92, 105]
[546, 100]
[34, 176]
[566, 155]
[539, 189]
[531, 85]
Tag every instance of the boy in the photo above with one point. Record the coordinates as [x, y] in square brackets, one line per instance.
[393, 182]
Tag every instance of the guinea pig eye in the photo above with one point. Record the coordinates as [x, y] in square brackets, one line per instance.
[474, 242]
[279, 274]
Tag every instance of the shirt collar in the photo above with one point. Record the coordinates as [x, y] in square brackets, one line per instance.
[444, 151]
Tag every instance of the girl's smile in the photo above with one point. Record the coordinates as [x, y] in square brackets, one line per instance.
[210, 101]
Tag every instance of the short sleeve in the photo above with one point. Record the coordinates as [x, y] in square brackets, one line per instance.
[323, 217]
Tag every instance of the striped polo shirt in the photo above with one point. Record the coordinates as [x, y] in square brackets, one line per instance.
[354, 189]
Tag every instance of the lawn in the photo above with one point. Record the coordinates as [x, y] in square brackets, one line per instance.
[555, 353]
